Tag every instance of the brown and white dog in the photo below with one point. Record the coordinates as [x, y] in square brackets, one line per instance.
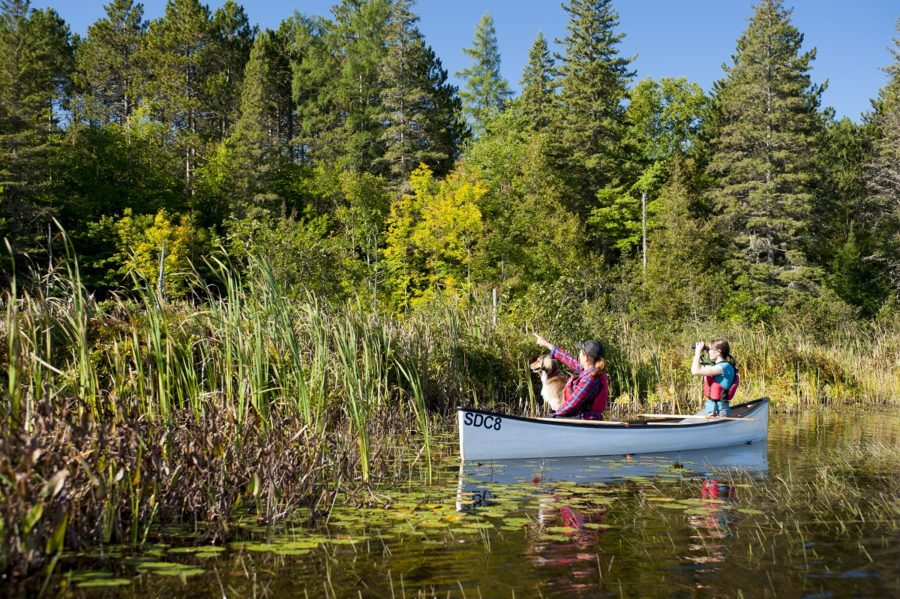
[553, 381]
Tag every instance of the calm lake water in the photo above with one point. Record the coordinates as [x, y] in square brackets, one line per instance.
[814, 513]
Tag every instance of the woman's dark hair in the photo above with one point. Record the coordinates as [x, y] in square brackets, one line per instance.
[724, 350]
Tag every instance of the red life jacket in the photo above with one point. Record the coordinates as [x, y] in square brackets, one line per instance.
[591, 409]
[714, 391]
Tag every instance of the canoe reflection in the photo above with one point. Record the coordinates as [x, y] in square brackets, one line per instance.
[474, 475]
[568, 525]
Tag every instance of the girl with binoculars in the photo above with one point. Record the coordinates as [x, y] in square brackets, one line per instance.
[720, 378]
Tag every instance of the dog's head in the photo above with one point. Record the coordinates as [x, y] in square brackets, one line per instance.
[544, 364]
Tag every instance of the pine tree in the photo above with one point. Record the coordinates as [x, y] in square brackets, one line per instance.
[232, 38]
[313, 87]
[358, 38]
[337, 86]
[108, 71]
[178, 50]
[486, 92]
[593, 81]
[845, 227]
[261, 144]
[418, 105]
[538, 86]
[444, 122]
[763, 156]
[35, 68]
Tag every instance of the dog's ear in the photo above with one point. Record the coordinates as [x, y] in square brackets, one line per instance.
[547, 363]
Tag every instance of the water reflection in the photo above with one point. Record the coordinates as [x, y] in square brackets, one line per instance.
[573, 504]
[711, 524]
[473, 476]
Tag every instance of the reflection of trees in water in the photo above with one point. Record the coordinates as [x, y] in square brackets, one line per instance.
[713, 526]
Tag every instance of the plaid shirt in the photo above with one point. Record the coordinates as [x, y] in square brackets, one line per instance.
[581, 390]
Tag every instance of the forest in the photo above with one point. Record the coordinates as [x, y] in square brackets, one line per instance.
[337, 150]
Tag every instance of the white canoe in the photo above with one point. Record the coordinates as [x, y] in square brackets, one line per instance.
[485, 436]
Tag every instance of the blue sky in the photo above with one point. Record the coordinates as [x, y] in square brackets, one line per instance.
[670, 38]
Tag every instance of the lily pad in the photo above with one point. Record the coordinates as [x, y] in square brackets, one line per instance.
[102, 582]
[169, 569]
[561, 529]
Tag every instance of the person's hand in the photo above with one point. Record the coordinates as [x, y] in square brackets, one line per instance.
[541, 341]
[698, 349]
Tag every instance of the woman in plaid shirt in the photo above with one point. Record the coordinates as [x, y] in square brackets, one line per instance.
[587, 391]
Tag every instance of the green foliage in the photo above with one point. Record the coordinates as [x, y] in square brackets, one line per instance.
[108, 67]
[664, 117]
[305, 145]
[763, 160]
[147, 242]
[249, 168]
[337, 73]
[35, 67]
[538, 86]
[883, 175]
[231, 40]
[684, 279]
[418, 106]
[529, 237]
[593, 82]
[358, 38]
[301, 252]
[486, 91]
[361, 214]
[180, 51]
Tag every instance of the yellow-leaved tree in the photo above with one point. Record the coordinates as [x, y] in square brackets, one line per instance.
[141, 239]
[432, 237]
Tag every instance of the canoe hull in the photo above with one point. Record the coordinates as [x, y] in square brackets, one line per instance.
[487, 436]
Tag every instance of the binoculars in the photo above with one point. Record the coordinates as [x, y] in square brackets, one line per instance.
[694, 346]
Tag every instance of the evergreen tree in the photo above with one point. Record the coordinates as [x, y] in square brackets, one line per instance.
[336, 83]
[35, 68]
[593, 81]
[260, 148]
[108, 71]
[358, 38]
[883, 173]
[178, 51]
[313, 88]
[486, 91]
[419, 107]
[538, 87]
[678, 284]
[232, 37]
[444, 122]
[845, 226]
[763, 162]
